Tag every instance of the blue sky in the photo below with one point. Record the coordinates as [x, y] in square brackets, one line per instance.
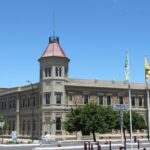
[94, 34]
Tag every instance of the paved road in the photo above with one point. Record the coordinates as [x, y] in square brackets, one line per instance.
[72, 146]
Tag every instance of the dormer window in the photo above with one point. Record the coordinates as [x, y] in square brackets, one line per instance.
[58, 71]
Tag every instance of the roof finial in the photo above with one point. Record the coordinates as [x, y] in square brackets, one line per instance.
[53, 38]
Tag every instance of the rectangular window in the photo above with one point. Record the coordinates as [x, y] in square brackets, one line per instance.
[28, 102]
[2, 105]
[23, 103]
[23, 125]
[49, 72]
[58, 98]
[47, 98]
[70, 97]
[140, 101]
[100, 100]
[41, 74]
[120, 100]
[85, 99]
[28, 125]
[34, 124]
[5, 105]
[133, 101]
[10, 126]
[13, 125]
[108, 100]
[33, 102]
[58, 71]
[58, 123]
[9, 104]
[14, 104]
[46, 73]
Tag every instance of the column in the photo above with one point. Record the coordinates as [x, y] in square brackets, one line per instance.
[17, 115]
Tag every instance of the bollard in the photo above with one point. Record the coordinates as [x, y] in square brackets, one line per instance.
[85, 146]
[138, 144]
[109, 145]
[121, 148]
[99, 147]
[91, 146]
[124, 144]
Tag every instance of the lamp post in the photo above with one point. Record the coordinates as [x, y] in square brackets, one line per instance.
[33, 103]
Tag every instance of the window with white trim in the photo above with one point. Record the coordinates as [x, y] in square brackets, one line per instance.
[108, 100]
[47, 98]
[100, 99]
[120, 100]
[85, 99]
[58, 71]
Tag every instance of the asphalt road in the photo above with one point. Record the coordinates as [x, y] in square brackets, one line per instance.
[145, 144]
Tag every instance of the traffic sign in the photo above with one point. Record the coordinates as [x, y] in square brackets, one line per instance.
[120, 107]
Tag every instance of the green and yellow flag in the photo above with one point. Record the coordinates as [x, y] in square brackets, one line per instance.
[147, 69]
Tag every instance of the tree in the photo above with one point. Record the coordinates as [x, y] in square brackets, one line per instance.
[90, 118]
[6, 125]
[138, 122]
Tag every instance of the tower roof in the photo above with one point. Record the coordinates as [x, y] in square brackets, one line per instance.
[54, 49]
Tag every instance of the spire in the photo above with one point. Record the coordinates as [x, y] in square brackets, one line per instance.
[54, 48]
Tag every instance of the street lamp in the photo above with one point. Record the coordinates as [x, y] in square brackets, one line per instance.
[32, 134]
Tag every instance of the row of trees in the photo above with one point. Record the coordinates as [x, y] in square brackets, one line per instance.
[92, 118]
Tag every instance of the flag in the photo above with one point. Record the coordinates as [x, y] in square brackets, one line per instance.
[127, 67]
[147, 69]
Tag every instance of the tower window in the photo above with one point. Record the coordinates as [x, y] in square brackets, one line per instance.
[100, 100]
[58, 71]
[58, 123]
[58, 98]
[47, 98]
[120, 100]
[41, 74]
[47, 72]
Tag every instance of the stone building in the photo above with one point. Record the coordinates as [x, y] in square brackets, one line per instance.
[30, 109]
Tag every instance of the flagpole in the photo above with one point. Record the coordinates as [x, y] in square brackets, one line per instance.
[127, 78]
[130, 109]
[148, 110]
